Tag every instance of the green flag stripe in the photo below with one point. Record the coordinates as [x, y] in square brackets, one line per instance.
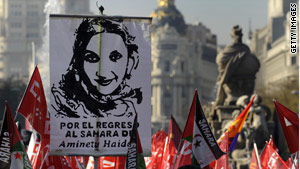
[17, 147]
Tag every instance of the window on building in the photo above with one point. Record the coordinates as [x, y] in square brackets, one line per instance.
[183, 92]
[167, 92]
[16, 25]
[2, 30]
[293, 60]
[32, 35]
[16, 13]
[32, 13]
[182, 66]
[32, 6]
[16, 34]
[167, 66]
[32, 25]
[167, 46]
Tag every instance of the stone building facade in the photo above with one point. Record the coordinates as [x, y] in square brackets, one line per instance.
[22, 31]
[271, 45]
[21, 25]
[183, 59]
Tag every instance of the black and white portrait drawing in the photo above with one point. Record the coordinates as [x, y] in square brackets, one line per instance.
[100, 78]
[96, 78]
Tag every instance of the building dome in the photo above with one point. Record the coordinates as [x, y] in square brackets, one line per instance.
[166, 13]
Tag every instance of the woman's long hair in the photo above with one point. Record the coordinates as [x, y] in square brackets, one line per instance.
[75, 84]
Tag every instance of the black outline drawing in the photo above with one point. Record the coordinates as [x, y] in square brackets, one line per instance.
[76, 89]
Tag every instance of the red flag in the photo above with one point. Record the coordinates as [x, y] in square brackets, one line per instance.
[289, 162]
[270, 158]
[43, 151]
[120, 162]
[12, 150]
[292, 164]
[222, 162]
[290, 125]
[171, 144]
[271, 142]
[189, 125]
[169, 154]
[198, 134]
[74, 162]
[107, 162]
[90, 163]
[57, 162]
[158, 143]
[253, 162]
[174, 132]
[184, 155]
[33, 105]
[44, 145]
[33, 147]
[236, 127]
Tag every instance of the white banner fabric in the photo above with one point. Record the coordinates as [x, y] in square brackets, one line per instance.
[100, 78]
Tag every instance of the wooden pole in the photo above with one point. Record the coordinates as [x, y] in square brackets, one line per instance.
[257, 156]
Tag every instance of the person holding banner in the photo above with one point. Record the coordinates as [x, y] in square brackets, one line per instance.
[96, 79]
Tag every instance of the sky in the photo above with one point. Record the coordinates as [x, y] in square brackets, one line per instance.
[217, 15]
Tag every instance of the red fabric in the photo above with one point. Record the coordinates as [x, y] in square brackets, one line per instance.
[236, 126]
[290, 125]
[44, 145]
[14, 136]
[33, 105]
[120, 162]
[158, 143]
[272, 143]
[169, 154]
[253, 161]
[289, 162]
[57, 162]
[86, 160]
[33, 147]
[270, 158]
[171, 144]
[107, 162]
[188, 129]
[174, 132]
[43, 150]
[90, 163]
[185, 155]
[222, 162]
[73, 161]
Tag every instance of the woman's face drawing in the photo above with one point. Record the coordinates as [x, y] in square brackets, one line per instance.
[106, 71]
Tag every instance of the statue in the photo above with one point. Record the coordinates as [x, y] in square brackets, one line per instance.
[237, 69]
[258, 116]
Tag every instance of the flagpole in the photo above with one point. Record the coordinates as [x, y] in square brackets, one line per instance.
[293, 160]
[101, 9]
[178, 149]
[257, 157]
[96, 162]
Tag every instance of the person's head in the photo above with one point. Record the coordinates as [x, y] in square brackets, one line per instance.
[104, 65]
[236, 33]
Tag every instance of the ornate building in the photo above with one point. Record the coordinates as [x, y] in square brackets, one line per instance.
[271, 45]
[75, 7]
[21, 25]
[183, 59]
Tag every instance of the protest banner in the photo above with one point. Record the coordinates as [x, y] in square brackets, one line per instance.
[100, 77]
